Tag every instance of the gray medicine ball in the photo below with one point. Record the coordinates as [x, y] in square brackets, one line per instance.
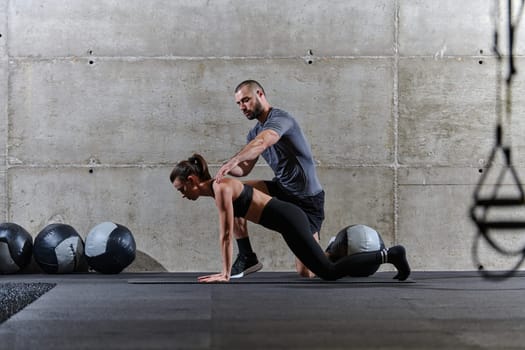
[110, 248]
[362, 238]
[356, 239]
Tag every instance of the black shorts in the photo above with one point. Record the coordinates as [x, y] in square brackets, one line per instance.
[312, 206]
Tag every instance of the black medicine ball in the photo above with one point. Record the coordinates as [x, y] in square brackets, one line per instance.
[16, 248]
[59, 248]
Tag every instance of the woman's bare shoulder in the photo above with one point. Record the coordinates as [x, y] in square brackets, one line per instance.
[229, 184]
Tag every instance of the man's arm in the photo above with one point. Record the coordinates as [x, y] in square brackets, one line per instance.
[243, 168]
[243, 162]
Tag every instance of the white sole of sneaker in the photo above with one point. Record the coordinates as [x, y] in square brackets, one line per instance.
[249, 270]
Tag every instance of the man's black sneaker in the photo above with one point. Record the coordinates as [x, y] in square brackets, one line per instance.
[244, 265]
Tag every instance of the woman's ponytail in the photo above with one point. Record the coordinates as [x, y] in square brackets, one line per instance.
[195, 165]
[201, 166]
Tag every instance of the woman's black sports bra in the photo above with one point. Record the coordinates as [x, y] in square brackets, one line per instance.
[242, 203]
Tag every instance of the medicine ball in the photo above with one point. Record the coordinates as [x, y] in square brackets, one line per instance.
[59, 248]
[356, 239]
[110, 248]
[16, 248]
[362, 238]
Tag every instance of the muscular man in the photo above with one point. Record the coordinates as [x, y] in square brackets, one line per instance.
[279, 139]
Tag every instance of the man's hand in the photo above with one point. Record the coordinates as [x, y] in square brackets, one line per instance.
[226, 168]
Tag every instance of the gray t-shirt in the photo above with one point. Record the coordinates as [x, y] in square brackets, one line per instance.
[291, 157]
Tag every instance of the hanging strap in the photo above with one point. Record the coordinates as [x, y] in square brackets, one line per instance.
[483, 205]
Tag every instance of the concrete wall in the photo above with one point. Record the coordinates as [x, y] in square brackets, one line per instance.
[98, 100]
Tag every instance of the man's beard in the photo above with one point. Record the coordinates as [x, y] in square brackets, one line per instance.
[257, 111]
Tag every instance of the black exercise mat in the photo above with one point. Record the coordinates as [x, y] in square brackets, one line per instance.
[265, 278]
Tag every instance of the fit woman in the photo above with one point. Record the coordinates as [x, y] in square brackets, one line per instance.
[235, 199]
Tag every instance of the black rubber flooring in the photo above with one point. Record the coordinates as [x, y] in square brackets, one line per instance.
[15, 296]
[266, 310]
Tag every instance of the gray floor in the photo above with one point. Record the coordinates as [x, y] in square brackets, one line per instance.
[442, 310]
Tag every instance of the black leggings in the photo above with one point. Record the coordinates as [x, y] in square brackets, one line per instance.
[291, 222]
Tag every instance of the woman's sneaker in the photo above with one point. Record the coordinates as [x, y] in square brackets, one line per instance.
[244, 265]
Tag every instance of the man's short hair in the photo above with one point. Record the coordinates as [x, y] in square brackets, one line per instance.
[252, 83]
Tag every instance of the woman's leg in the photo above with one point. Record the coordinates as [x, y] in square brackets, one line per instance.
[292, 223]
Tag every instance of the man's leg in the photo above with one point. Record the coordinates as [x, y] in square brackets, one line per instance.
[246, 261]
